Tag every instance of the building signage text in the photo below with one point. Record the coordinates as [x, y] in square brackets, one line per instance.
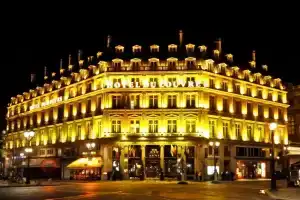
[45, 103]
[154, 84]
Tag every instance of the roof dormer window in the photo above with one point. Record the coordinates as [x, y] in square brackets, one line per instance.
[190, 48]
[117, 62]
[154, 48]
[172, 48]
[136, 49]
[153, 62]
[119, 49]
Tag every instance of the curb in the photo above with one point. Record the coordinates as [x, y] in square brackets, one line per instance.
[270, 194]
[9, 186]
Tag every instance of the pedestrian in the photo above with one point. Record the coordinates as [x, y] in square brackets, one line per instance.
[196, 176]
[200, 175]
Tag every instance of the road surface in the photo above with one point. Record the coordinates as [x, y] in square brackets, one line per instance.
[131, 190]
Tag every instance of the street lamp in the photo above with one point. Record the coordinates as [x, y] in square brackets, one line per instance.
[90, 145]
[28, 135]
[215, 145]
[273, 126]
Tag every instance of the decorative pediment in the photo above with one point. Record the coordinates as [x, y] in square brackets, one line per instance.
[134, 115]
[189, 115]
[153, 116]
[115, 115]
[172, 115]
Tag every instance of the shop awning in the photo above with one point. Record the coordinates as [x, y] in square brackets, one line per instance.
[85, 163]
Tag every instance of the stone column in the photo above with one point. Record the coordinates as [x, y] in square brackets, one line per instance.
[162, 157]
[124, 162]
[107, 160]
[143, 149]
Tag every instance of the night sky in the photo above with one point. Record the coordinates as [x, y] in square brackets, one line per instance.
[32, 42]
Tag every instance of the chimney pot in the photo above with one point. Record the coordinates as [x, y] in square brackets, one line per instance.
[108, 41]
[180, 37]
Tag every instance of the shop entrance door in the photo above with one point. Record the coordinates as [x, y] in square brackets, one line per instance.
[152, 168]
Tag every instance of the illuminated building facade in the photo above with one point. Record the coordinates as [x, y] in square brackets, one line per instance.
[149, 106]
[294, 123]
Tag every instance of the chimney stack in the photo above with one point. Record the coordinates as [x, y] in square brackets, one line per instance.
[45, 73]
[32, 78]
[180, 37]
[253, 55]
[108, 41]
[219, 45]
[61, 64]
[70, 59]
[79, 55]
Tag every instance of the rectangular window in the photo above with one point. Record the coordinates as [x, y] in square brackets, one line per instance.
[227, 152]
[42, 152]
[116, 101]
[291, 125]
[134, 101]
[249, 132]
[224, 86]
[153, 82]
[88, 107]
[172, 101]
[260, 133]
[172, 80]
[172, 126]
[238, 107]
[249, 109]
[99, 103]
[192, 79]
[212, 128]
[99, 129]
[225, 105]
[225, 130]
[50, 151]
[153, 126]
[260, 111]
[259, 94]
[248, 91]
[58, 138]
[134, 126]
[238, 131]
[238, 88]
[135, 80]
[88, 128]
[69, 133]
[191, 126]
[280, 114]
[212, 103]
[211, 83]
[153, 101]
[116, 126]
[190, 101]
[78, 132]
[271, 113]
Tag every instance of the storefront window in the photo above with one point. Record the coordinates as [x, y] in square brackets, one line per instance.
[251, 169]
[134, 161]
[153, 167]
[190, 160]
[170, 159]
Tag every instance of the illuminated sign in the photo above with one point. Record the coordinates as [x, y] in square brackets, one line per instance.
[154, 84]
[46, 103]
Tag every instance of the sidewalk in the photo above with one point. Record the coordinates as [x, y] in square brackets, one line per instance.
[33, 183]
[285, 194]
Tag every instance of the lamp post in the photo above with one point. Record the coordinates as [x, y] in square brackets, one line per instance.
[215, 145]
[273, 126]
[28, 135]
[90, 145]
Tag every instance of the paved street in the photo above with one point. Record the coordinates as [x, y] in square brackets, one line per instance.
[139, 190]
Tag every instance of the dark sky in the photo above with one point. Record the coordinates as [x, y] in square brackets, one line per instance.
[33, 41]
